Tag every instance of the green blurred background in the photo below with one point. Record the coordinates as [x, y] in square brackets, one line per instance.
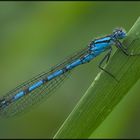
[35, 36]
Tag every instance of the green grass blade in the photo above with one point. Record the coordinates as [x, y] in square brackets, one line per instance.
[104, 93]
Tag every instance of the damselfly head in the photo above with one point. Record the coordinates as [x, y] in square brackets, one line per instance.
[119, 33]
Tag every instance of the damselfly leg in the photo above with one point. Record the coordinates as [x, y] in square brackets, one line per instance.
[119, 45]
[106, 59]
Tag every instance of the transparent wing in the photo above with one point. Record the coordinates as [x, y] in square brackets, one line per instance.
[33, 98]
[39, 94]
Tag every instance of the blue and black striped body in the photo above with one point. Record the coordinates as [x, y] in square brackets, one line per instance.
[14, 101]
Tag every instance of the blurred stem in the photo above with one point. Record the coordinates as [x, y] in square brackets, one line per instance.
[104, 93]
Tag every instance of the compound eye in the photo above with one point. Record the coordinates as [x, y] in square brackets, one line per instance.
[120, 31]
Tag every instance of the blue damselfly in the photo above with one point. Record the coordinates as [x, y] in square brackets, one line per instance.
[33, 91]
